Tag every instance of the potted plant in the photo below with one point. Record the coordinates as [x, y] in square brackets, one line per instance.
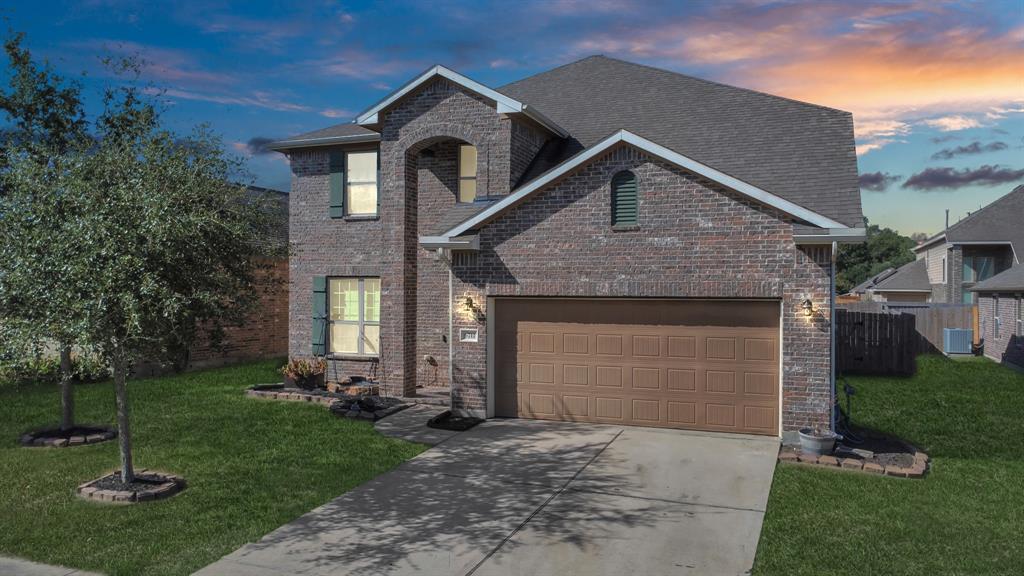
[817, 441]
[305, 373]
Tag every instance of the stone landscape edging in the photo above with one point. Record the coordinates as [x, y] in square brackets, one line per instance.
[916, 470]
[170, 486]
[36, 437]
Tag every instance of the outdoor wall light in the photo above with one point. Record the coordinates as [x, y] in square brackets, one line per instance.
[808, 307]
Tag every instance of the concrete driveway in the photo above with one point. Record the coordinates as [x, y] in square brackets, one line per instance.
[525, 497]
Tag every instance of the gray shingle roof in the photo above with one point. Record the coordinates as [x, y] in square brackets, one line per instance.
[347, 132]
[1011, 280]
[1000, 221]
[801, 152]
[458, 214]
[912, 276]
[870, 282]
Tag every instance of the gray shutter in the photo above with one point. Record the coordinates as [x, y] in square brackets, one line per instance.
[337, 178]
[319, 316]
[625, 203]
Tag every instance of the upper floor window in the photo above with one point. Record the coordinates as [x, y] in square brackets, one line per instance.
[467, 173]
[625, 204]
[978, 268]
[361, 182]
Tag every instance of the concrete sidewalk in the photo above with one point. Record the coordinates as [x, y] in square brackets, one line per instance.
[518, 497]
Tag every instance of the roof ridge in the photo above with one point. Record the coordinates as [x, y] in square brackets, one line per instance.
[687, 76]
[1018, 190]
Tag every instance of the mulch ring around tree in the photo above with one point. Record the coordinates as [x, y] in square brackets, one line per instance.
[876, 453]
[77, 436]
[148, 485]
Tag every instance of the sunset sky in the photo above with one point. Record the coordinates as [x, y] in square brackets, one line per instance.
[936, 88]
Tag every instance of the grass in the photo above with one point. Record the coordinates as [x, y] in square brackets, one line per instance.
[251, 465]
[965, 517]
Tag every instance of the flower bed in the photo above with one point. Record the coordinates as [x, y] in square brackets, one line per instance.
[876, 454]
[367, 406]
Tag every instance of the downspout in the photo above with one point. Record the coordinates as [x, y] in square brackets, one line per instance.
[451, 338]
[832, 336]
[445, 256]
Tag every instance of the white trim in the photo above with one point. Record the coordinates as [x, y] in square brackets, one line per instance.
[900, 290]
[464, 243]
[282, 145]
[992, 243]
[830, 235]
[504, 104]
[657, 150]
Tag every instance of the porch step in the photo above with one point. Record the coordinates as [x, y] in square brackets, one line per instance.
[430, 396]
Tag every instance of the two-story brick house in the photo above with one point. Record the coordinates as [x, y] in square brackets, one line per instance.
[602, 242]
[983, 244]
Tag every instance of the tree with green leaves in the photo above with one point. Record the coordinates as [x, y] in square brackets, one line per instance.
[884, 248]
[161, 243]
[46, 123]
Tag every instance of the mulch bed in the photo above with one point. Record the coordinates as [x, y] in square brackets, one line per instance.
[448, 421]
[77, 436]
[371, 408]
[877, 453]
[366, 407]
[148, 485]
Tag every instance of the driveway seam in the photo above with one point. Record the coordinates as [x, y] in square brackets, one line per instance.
[543, 505]
[663, 500]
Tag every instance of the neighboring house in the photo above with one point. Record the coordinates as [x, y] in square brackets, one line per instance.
[601, 242]
[1001, 315]
[974, 249]
[908, 283]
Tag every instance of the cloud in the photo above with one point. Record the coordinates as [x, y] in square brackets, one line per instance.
[943, 138]
[952, 123]
[163, 65]
[880, 60]
[871, 128]
[257, 99]
[949, 178]
[256, 146]
[336, 113]
[877, 181]
[972, 148]
[871, 145]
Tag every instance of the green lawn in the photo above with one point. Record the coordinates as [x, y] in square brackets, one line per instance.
[251, 465]
[965, 517]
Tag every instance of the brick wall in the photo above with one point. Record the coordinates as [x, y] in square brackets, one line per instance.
[263, 334]
[1006, 345]
[415, 191]
[695, 239]
[323, 246]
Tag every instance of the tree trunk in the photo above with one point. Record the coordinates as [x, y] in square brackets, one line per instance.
[67, 392]
[123, 434]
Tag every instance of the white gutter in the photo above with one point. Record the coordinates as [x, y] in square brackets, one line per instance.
[624, 136]
[829, 235]
[282, 145]
[461, 243]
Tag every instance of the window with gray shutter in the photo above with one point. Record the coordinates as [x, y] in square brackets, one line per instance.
[625, 201]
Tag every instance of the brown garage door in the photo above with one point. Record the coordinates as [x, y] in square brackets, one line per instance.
[702, 365]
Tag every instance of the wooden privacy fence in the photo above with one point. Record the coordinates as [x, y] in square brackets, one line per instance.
[885, 337]
[875, 343]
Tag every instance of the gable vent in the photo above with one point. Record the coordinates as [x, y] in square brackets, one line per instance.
[625, 203]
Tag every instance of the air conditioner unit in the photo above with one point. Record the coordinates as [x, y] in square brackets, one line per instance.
[957, 340]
